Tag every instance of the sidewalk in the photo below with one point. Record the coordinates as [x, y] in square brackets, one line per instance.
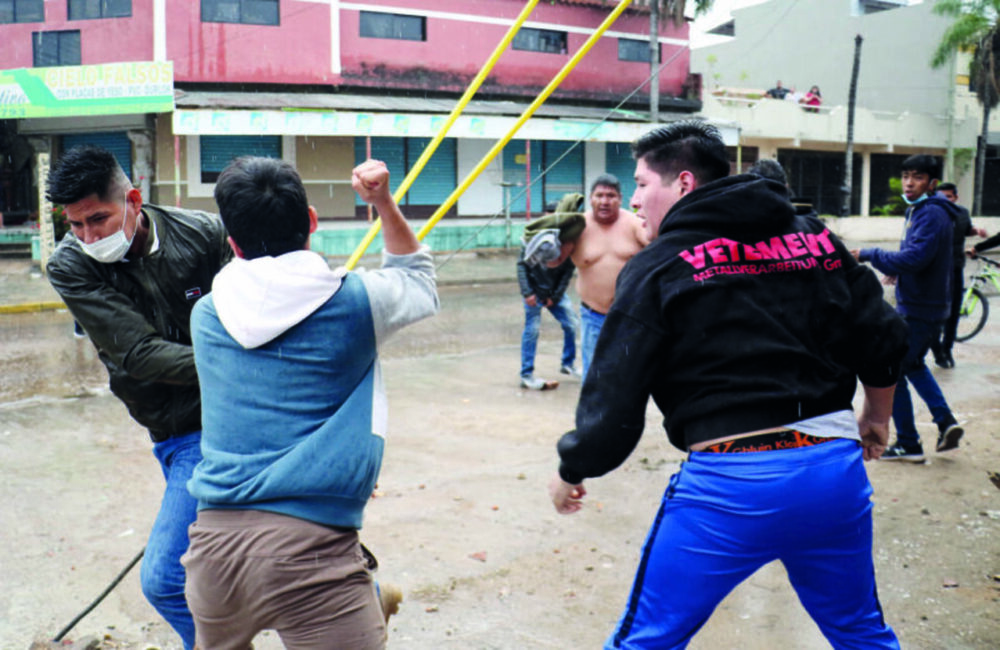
[24, 288]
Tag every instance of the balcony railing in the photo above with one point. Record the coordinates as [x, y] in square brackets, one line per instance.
[823, 127]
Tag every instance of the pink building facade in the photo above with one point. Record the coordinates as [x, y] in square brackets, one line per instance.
[324, 82]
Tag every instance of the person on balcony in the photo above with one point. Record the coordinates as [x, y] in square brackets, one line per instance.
[778, 92]
[812, 99]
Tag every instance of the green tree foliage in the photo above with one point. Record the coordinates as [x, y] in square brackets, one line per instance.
[895, 205]
[976, 29]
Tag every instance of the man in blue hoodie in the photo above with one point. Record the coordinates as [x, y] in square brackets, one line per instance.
[922, 269]
[294, 415]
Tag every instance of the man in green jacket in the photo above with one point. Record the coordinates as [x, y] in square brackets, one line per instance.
[130, 274]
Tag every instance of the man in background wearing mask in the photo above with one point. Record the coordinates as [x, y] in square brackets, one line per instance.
[130, 274]
[922, 270]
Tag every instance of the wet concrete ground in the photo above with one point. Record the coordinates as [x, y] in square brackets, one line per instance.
[463, 523]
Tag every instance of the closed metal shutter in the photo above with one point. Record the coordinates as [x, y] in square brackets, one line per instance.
[116, 142]
[439, 177]
[514, 172]
[217, 151]
[618, 161]
[567, 176]
[391, 151]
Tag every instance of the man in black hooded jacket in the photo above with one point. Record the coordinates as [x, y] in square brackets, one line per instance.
[750, 326]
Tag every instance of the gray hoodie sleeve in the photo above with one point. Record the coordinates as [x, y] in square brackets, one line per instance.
[402, 292]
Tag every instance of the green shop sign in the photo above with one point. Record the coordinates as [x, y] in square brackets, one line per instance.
[108, 89]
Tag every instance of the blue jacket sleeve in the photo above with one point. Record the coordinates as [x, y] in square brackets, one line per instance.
[919, 246]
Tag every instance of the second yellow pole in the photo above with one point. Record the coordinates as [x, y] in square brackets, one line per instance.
[433, 145]
[525, 116]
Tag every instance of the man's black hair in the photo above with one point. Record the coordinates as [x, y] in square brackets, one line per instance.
[84, 171]
[689, 145]
[607, 180]
[263, 205]
[551, 206]
[948, 187]
[923, 164]
[769, 168]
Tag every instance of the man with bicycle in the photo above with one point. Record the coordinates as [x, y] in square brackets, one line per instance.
[921, 270]
[963, 228]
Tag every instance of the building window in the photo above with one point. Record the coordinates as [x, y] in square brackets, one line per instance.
[89, 9]
[217, 151]
[247, 12]
[22, 11]
[540, 40]
[55, 48]
[865, 7]
[399, 27]
[630, 49]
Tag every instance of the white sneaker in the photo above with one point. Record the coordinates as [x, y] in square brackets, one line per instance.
[534, 383]
[572, 371]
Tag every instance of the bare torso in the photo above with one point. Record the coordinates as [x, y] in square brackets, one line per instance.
[600, 254]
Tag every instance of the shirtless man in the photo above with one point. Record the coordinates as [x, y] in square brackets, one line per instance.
[612, 236]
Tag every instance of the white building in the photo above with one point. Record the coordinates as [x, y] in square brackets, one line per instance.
[903, 105]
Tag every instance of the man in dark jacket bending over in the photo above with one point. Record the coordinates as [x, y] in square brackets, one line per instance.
[130, 274]
[750, 327]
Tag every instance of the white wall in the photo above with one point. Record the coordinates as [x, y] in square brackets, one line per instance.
[485, 196]
[594, 163]
[807, 42]
[887, 229]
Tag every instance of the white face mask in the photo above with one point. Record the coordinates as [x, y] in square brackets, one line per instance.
[112, 248]
[916, 200]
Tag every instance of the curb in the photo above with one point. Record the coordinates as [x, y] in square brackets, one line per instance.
[30, 307]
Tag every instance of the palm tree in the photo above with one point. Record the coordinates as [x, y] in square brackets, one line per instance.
[674, 11]
[977, 29]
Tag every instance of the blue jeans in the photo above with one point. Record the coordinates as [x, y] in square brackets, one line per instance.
[592, 322]
[563, 312]
[162, 575]
[726, 515]
[922, 334]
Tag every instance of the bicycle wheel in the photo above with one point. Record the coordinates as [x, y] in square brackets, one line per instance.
[972, 317]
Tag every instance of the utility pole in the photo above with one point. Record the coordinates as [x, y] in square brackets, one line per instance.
[949, 161]
[852, 99]
[654, 61]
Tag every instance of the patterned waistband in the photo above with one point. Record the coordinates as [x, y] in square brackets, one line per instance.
[775, 440]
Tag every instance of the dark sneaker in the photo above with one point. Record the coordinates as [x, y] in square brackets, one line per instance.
[899, 452]
[942, 358]
[949, 437]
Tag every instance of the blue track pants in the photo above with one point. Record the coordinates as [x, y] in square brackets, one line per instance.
[726, 515]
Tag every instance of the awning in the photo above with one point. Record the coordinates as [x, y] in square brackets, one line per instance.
[319, 114]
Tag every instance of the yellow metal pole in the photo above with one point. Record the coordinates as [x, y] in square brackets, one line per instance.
[433, 145]
[528, 112]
